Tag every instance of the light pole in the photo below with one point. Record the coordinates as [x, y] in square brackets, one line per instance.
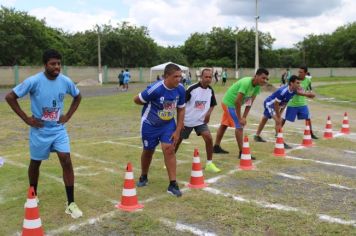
[99, 58]
[256, 39]
[236, 59]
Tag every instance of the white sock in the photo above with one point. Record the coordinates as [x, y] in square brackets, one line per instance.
[208, 162]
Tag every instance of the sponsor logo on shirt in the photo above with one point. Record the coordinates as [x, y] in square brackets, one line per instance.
[168, 112]
[199, 105]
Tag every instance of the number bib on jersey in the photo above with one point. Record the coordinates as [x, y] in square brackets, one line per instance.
[50, 114]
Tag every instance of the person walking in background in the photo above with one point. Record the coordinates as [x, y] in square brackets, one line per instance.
[47, 133]
[161, 101]
[285, 77]
[244, 91]
[121, 80]
[224, 77]
[200, 102]
[127, 77]
[216, 74]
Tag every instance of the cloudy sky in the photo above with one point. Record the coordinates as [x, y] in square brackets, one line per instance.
[170, 22]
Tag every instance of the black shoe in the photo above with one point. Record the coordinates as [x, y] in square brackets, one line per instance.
[142, 182]
[258, 138]
[286, 146]
[218, 149]
[174, 190]
[314, 137]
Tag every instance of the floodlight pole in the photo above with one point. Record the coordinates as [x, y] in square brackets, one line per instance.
[236, 60]
[256, 39]
[100, 78]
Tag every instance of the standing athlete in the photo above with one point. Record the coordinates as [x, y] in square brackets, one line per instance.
[161, 101]
[200, 102]
[47, 133]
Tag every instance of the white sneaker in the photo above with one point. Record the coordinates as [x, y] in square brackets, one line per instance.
[74, 211]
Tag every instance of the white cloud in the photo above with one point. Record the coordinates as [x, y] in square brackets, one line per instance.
[73, 21]
[8, 3]
[170, 22]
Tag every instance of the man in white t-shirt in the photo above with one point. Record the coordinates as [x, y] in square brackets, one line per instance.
[200, 101]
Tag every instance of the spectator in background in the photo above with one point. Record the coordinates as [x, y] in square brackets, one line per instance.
[216, 74]
[121, 80]
[285, 77]
[224, 77]
[127, 77]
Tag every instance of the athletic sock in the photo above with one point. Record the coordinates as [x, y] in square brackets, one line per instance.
[208, 162]
[70, 194]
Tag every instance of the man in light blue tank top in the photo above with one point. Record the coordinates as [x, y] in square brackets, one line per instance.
[47, 131]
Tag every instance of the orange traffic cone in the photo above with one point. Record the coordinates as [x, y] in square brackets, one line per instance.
[345, 125]
[279, 146]
[328, 133]
[197, 177]
[245, 161]
[307, 140]
[32, 225]
[129, 200]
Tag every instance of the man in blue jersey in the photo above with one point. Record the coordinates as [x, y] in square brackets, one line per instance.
[161, 101]
[47, 133]
[276, 103]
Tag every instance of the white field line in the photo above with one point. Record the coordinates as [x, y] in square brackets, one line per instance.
[74, 227]
[350, 152]
[295, 177]
[321, 162]
[124, 144]
[92, 159]
[290, 176]
[60, 180]
[185, 228]
[280, 207]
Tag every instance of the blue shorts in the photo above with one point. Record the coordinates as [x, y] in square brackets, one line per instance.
[302, 113]
[126, 81]
[152, 135]
[42, 143]
[269, 111]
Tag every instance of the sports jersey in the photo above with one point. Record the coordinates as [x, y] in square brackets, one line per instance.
[47, 97]
[298, 101]
[281, 95]
[243, 86]
[198, 102]
[161, 103]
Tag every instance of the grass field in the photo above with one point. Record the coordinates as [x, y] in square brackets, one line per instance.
[313, 192]
[339, 91]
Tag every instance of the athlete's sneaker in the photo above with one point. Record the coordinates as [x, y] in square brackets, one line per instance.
[286, 146]
[212, 168]
[74, 211]
[174, 190]
[218, 149]
[258, 138]
[314, 137]
[142, 182]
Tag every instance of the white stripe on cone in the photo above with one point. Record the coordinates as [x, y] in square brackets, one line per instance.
[280, 135]
[245, 156]
[307, 136]
[129, 175]
[345, 126]
[328, 130]
[246, 144]
[32, 224]
[196, 160]
[279, 145]
[31, 203]
[197, 173]
[129, 192]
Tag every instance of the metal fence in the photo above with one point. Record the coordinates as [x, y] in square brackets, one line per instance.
[16, 74]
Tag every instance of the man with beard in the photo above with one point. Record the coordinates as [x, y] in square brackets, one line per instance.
[47, 131]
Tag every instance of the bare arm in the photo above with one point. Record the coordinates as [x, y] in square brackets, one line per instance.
[277, 109]
[309, 94]
[138, 101]
[207, 115]
[73, 107]
[180, 124]
[11, 99]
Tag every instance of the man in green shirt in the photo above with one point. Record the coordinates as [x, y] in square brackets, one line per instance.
[242, 92]
[298, 106]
